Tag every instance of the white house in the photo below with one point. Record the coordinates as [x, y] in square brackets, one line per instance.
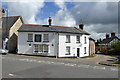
[50, 40]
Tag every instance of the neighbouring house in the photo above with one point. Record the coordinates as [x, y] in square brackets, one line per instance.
[105, 44]
[91, 46]
[1, 15]
[51, 40]
[10, 25]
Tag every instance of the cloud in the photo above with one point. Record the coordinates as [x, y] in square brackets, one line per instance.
[27, 10]
[96, 12]
[98, 17]
[63, 17]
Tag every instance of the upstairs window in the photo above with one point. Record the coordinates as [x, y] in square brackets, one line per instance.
[68, 50]
[38, 38]
[46, 37]
[30, 37]
[85, 40]
[77, 39]
[67, 38]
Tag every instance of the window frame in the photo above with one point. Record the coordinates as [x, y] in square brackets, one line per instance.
[41, 48]
[28, 40]
[85, 50]
[77, 39]
[35, 48]
[68, 37]
[85, 39]
[35, 38]
[44, 38]
[68, 53]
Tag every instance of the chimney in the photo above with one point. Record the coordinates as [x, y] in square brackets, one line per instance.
[107, 36]
[100, 40]
[2, 11]
[50, 20]
[81, 26]
[112, 34]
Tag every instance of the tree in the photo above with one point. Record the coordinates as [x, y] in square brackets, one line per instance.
[115, 49]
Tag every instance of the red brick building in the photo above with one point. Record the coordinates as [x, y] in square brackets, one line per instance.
[91, 46]
[105, 44]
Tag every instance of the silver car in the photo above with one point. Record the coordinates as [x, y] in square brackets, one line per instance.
[3, 51]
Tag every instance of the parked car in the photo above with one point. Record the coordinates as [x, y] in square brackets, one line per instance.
[3, 51]
[99, 52]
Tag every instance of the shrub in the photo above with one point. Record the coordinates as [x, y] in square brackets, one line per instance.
[115, 49]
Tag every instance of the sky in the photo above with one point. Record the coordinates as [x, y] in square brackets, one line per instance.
[98, 18]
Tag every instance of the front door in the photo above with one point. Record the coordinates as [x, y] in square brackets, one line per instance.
[78, 52]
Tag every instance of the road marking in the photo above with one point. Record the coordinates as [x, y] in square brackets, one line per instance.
[70, 64]
[84, 66]
[114, 69]
[99, 67]
[61, 63]
[11, 75]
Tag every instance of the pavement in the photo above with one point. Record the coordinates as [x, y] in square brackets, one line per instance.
[19, 66]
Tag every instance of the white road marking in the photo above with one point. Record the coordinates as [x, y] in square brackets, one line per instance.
[61, 63]
[99, 67]
[84, 66]
[70, 64]
[11, 75]
[114, 69]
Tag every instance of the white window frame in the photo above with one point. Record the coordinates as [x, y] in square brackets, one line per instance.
[67, 38]
[44, 39]
[77, 39]
[68, 52]
[85, 50]
[43, 48]
[35, 48]
[85, 39]
[30, 39]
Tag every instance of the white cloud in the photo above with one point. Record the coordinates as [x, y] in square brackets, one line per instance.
[99, 18]
[63, 17]
[27, 10]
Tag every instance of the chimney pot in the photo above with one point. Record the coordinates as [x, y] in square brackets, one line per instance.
[81, 26]
[50, 20]
[107, 36]
[112, 34]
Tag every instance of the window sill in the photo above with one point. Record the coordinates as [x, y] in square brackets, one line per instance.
[78, 42]
[29, 41]
[67, 42]
[67, 54]
[45, 41]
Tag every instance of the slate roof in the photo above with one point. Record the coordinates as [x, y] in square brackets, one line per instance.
[53, 28]
[106, 41]
[91, 39]
[9, 21]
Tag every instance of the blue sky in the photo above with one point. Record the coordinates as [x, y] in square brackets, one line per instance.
[99, 18]
[49, 9]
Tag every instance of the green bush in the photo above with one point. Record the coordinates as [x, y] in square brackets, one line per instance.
[92, 55]
[115, 49]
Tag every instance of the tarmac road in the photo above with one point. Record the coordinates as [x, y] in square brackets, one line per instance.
[41, 67]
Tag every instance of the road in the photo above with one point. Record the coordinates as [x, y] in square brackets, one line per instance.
[14, 66]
